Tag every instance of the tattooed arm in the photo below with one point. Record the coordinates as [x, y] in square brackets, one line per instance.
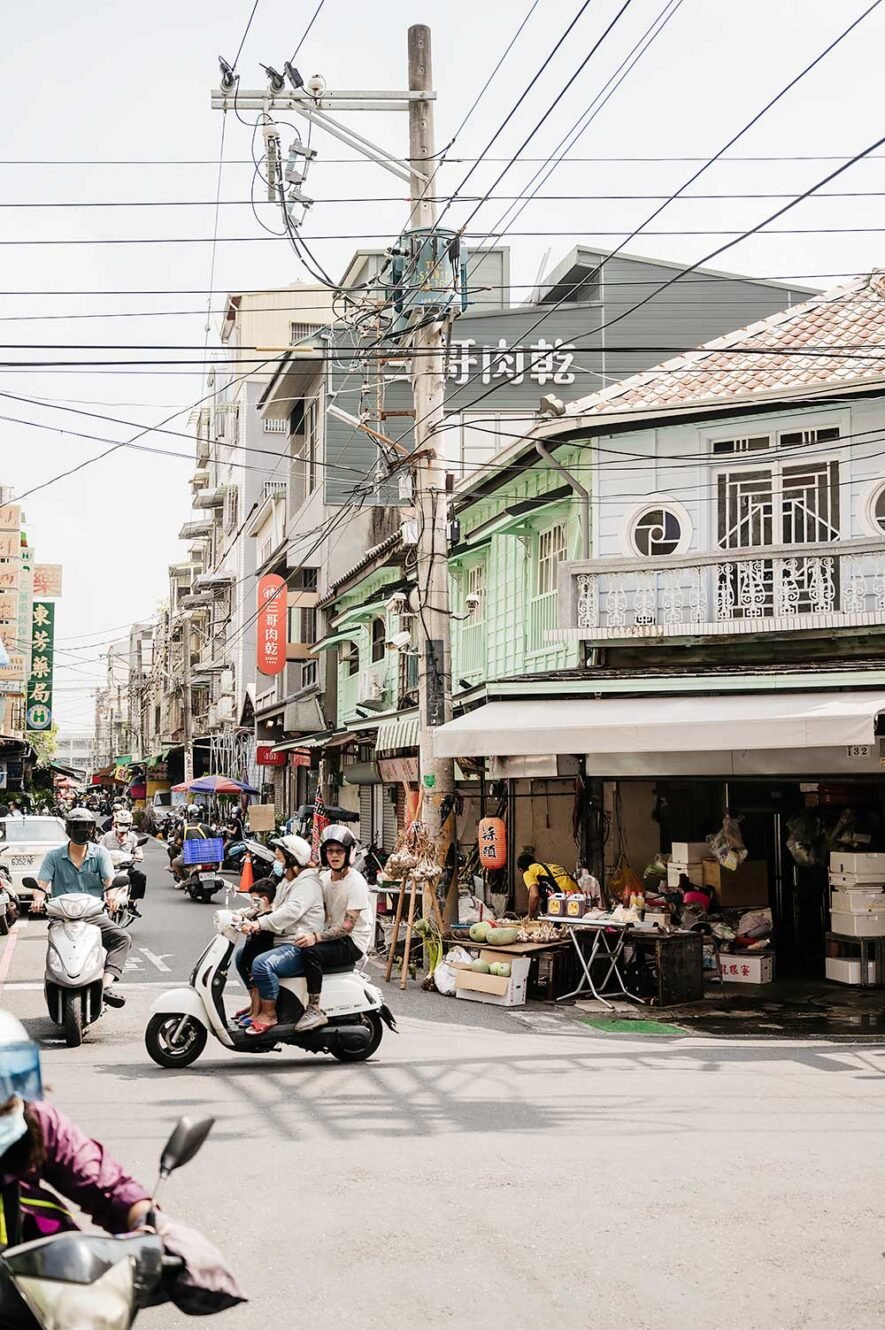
[344, 929]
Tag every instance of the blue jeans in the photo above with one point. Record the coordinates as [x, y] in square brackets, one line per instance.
[283, 962]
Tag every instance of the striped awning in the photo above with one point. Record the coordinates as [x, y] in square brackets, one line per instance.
[398, 733]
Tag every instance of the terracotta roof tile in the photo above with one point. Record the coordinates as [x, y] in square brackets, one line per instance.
[849, 321]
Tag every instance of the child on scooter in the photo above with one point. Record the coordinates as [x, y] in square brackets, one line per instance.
[262, 895]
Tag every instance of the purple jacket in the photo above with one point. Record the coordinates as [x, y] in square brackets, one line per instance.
[82, 1171]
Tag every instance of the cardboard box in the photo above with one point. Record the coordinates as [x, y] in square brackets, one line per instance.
[689, 851]
[859, 925]
[851, 882]
[848, 971]
[750, 969]
[858, 901]
[694, 872]
[492, 988]
[866, 867]
[748, 885]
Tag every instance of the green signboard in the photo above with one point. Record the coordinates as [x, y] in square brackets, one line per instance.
[38, 712]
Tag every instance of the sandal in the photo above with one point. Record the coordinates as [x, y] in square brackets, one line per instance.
[259, 1027]
[244, 1011]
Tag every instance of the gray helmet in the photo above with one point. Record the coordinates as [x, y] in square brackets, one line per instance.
[80, 825]
[337, 834]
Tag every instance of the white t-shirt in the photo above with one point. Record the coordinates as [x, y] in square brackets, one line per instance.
[351, 892]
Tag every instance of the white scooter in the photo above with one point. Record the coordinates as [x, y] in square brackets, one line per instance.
[182, 1019]
[74, 963]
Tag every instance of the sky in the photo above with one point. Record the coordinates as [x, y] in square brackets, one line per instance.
[128, 86]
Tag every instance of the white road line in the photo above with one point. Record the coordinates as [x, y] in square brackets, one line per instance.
[159, 961]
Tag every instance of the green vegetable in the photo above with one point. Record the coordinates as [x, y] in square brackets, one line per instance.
[501, 937]
[479, 932]
[481, 967]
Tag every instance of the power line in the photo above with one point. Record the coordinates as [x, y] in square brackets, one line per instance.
[306, 31]
[362, 200]
[245, 35]
[471, 235]
[449, 161]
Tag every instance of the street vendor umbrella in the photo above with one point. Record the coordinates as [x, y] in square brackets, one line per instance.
[215, 785]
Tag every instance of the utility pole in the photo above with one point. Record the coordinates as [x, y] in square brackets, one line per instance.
[428, 389]
[186, 710]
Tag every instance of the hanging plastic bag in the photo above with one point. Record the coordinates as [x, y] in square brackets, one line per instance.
[624, 883]
[655, 872]
[727, 845]
[806, 841]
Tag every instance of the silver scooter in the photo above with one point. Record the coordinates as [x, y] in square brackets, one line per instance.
[73, 980]
[182, 1019]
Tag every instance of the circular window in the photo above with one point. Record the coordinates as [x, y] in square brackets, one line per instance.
[657, 529]
[878, 509]
[657, 532]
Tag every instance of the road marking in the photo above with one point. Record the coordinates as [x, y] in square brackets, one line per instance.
[28, 986]
[6, 959]
[159, 961]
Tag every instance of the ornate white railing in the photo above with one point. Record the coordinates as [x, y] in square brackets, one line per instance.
[775, 589]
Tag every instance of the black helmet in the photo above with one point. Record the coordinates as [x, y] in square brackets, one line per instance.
[337, 834]
[80, 825]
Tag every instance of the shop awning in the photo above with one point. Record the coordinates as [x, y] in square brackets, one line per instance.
[680, 725]
[328, 739]
[400, 732]
[335, 639]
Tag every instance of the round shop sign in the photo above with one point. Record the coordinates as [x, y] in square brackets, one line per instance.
[39, 717]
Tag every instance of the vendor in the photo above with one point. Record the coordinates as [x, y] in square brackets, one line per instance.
[542, 880]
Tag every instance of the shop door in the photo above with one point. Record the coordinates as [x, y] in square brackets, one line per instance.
[389, 824]
[784, 503]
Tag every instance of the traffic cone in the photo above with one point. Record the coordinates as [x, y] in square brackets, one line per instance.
[247, 877]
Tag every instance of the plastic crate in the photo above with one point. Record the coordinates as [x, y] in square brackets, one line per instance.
[203, 850]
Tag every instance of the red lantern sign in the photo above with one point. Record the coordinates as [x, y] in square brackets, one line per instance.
[492, 836]
[272, 627]
[266, 757]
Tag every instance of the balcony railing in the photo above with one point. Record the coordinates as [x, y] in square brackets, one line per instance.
[542, 619]
[472, 651]
[775, 588]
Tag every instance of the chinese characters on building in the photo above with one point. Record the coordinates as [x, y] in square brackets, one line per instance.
[38, 715]
[543, 362]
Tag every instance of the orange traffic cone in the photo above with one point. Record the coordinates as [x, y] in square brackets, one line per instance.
[247, 877]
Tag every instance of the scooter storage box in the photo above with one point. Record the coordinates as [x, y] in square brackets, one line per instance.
[202, 850]
[859, 925]
[864, 867]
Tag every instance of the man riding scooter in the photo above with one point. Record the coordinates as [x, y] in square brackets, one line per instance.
[347, 934]
[83, 866]
[123, 840]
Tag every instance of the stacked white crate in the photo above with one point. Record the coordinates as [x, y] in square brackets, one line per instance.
[687, 856]
[857, 904]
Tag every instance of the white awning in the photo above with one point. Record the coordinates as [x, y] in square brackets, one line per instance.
[645, 725]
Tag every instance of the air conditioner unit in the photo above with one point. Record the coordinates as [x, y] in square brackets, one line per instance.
[371, 691]
[224, 708]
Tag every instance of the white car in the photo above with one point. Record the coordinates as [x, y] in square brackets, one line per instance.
[24, 842]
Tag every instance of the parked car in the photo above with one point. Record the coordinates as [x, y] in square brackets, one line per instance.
[23, 844]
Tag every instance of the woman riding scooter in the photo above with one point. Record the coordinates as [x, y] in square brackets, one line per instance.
[298, 909]
[41, 1148]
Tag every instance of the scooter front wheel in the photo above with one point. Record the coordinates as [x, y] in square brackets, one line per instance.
[72, 1019]
[174, 1041]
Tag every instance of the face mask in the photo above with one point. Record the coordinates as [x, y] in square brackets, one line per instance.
[80, 835]
[278, 869]
[12, 1128]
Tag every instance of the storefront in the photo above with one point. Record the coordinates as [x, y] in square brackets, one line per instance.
[661, 772]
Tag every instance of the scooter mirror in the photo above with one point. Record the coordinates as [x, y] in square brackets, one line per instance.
[142, 840]
[30, 883]
[186, 1140]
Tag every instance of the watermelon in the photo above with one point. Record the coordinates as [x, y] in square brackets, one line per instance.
[479, 932]
[480, 967]
[501, 937]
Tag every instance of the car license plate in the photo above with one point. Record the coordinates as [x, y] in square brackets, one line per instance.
[21, 860]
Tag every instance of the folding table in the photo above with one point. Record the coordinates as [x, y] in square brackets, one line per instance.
[609, 939]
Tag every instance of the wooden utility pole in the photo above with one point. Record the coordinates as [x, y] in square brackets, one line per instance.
[428, 388]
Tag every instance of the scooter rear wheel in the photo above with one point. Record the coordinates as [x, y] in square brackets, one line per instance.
[373, 1020]
[171, 1047]
[72, 1019]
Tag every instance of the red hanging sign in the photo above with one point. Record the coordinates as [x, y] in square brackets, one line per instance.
[492, 837]
[266, 757]
[272, 626]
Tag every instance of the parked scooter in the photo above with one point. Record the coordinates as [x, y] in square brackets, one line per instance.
[87, 1280]
[182, 1019]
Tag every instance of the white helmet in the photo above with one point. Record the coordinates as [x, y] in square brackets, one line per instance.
[123, 818]
[295, 847]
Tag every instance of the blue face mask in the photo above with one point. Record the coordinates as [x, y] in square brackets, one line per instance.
[278, 869]
[12, 1128]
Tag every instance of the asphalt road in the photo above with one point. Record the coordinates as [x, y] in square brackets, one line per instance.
[502, 1169]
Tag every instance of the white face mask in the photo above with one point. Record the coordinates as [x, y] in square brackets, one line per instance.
[12, 1128]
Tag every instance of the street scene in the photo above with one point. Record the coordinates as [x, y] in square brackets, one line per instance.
[442, 665]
